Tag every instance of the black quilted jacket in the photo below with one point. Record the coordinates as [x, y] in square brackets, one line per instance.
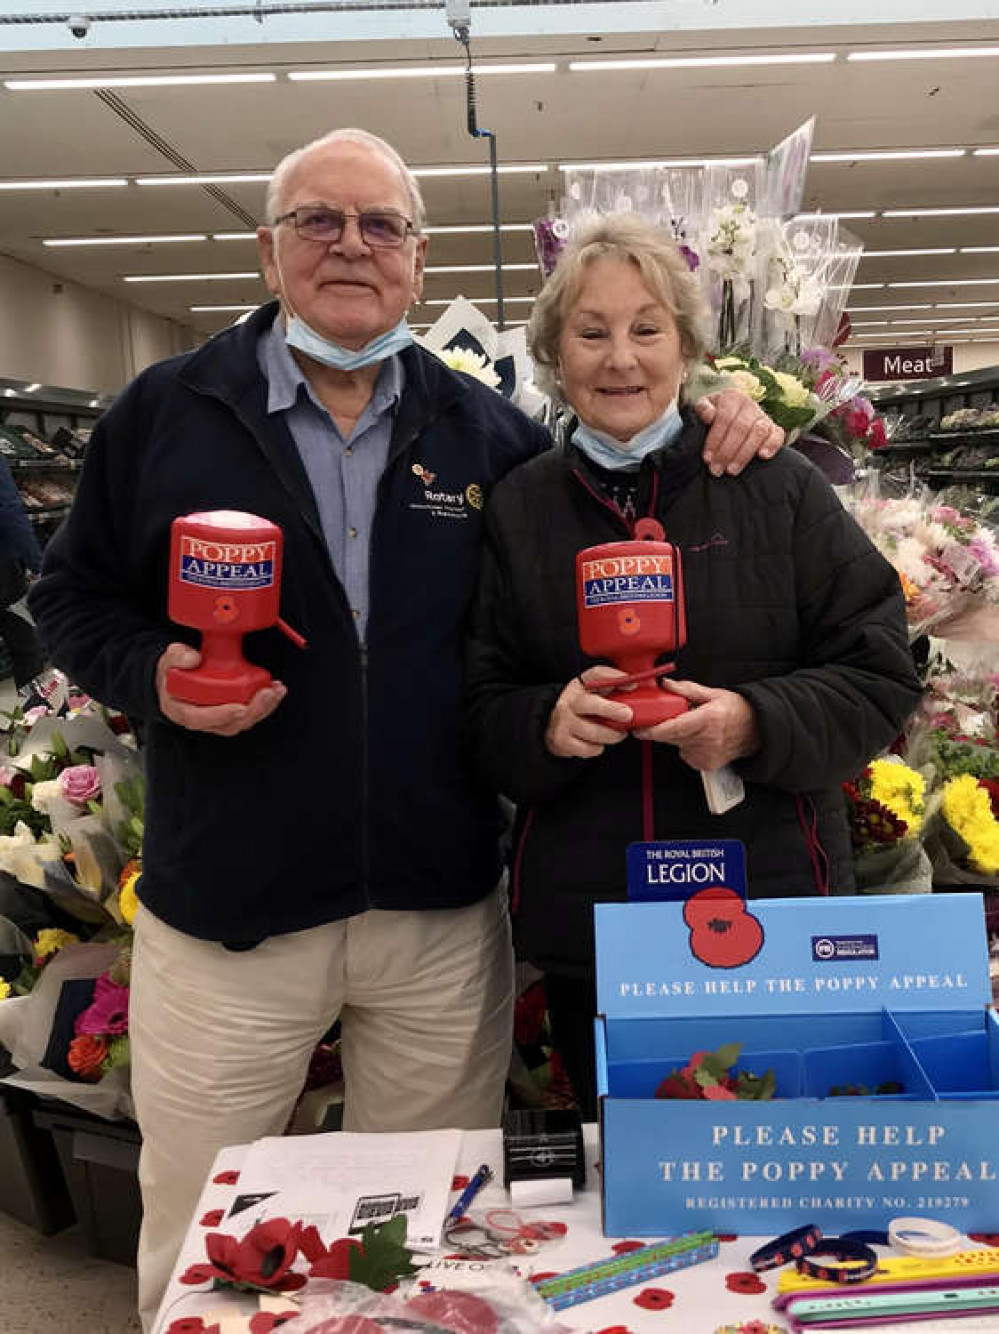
[787, 602]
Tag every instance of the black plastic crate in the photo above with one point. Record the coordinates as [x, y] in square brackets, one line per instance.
[32, 1185]
[100, 1160]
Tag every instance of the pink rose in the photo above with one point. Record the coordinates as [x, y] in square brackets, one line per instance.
[7, 775]
[80, 783]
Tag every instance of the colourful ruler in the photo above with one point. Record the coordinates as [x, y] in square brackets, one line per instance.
[601, 1277]
[903, 1268]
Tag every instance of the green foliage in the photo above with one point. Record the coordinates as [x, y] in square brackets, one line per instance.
[384, 1257]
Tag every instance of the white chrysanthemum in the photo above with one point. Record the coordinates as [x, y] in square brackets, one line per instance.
[470, 363]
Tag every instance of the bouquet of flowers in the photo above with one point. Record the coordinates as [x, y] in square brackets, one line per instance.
[886, 806]
[467, 341]
[945, 559]
[784, 397]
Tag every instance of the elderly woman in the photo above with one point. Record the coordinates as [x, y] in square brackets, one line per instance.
[797, 668]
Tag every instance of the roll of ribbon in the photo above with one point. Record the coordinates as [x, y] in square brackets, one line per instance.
[924, 1236]
[542, 1190]
[842, 1261]
[782, 1250]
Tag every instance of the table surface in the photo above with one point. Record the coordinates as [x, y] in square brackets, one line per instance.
[702, 1300]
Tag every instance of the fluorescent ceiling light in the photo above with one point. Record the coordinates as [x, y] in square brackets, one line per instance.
[987, 332]
[909, 333]
[979, 249]
[135, 81]
[855, 310]
[863, 213]
[939, 212]
[884, 254]
[986, 152]
[213, 308]
[184, 277]
[206, 178]
[479, 171]
[478, 268]
[32, 388]
[702, 62]
[478, 227]
[887, 154]
[234, 236]
[863, 324]
[949, 282]
[121, 240]
[636, 164]
[965, 305]
[416, 72]
[87, 183]
[940, 53]
[944, 319]
[858, 287]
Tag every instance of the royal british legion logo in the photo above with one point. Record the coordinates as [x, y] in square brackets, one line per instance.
[646, 578]
[230, 565]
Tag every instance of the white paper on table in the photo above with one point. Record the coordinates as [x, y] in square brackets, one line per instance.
[342, 1181]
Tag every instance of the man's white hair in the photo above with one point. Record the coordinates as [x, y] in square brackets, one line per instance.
[284, 169]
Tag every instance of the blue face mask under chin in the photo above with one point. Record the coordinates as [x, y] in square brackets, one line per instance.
[299, 335]
[618, 456]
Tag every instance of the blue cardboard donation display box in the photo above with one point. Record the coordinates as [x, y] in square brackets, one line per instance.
[871, 992]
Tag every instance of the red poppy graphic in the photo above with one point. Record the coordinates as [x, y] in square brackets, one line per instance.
[199, 1273]
[265, 1322]
[986, 1238]
[628, 621]
[623, 1247]
[723, 934]
[212, 1218]
[459, 1182]
[746, 1283]
[654, 1299]
[727, 1236]
[545, 1273]
[225, 609]
[191, 1324]
[226, 1178]
[614, 1329]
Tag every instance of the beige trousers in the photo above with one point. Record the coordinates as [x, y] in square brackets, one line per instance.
[221, 1042]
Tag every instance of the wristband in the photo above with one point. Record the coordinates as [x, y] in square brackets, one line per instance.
[924, 1236]
[790, 1246]
[844, 1251]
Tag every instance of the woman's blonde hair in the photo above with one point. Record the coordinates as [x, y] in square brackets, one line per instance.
[628, 238]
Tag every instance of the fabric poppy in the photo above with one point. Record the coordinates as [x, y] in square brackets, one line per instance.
[262, 1259]
[654, 1299]
[462, 1312]
[746, 1283]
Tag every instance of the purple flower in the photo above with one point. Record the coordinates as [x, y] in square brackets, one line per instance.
[985, 553]
[691, 256]
[820, 357]
[108, 1013]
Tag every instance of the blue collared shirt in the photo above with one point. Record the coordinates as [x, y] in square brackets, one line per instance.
[344, 473]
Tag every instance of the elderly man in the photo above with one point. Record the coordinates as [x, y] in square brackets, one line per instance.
[323, 850]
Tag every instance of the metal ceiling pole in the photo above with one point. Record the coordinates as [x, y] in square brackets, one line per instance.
[458, 17]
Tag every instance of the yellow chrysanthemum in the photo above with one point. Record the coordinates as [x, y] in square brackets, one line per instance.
[792, 391]
[128, 902]
[968, 810]
[901, 789]
[5, 989]
[52, 940]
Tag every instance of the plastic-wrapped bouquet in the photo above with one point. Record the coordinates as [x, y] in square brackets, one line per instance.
[945, 559]
[886, 805]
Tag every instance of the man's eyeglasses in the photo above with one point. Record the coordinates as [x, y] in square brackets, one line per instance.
[382, 229]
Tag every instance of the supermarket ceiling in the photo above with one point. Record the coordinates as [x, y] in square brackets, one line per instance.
[945, 108]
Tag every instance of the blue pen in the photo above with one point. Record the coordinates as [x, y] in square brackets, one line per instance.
[466, 1197]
